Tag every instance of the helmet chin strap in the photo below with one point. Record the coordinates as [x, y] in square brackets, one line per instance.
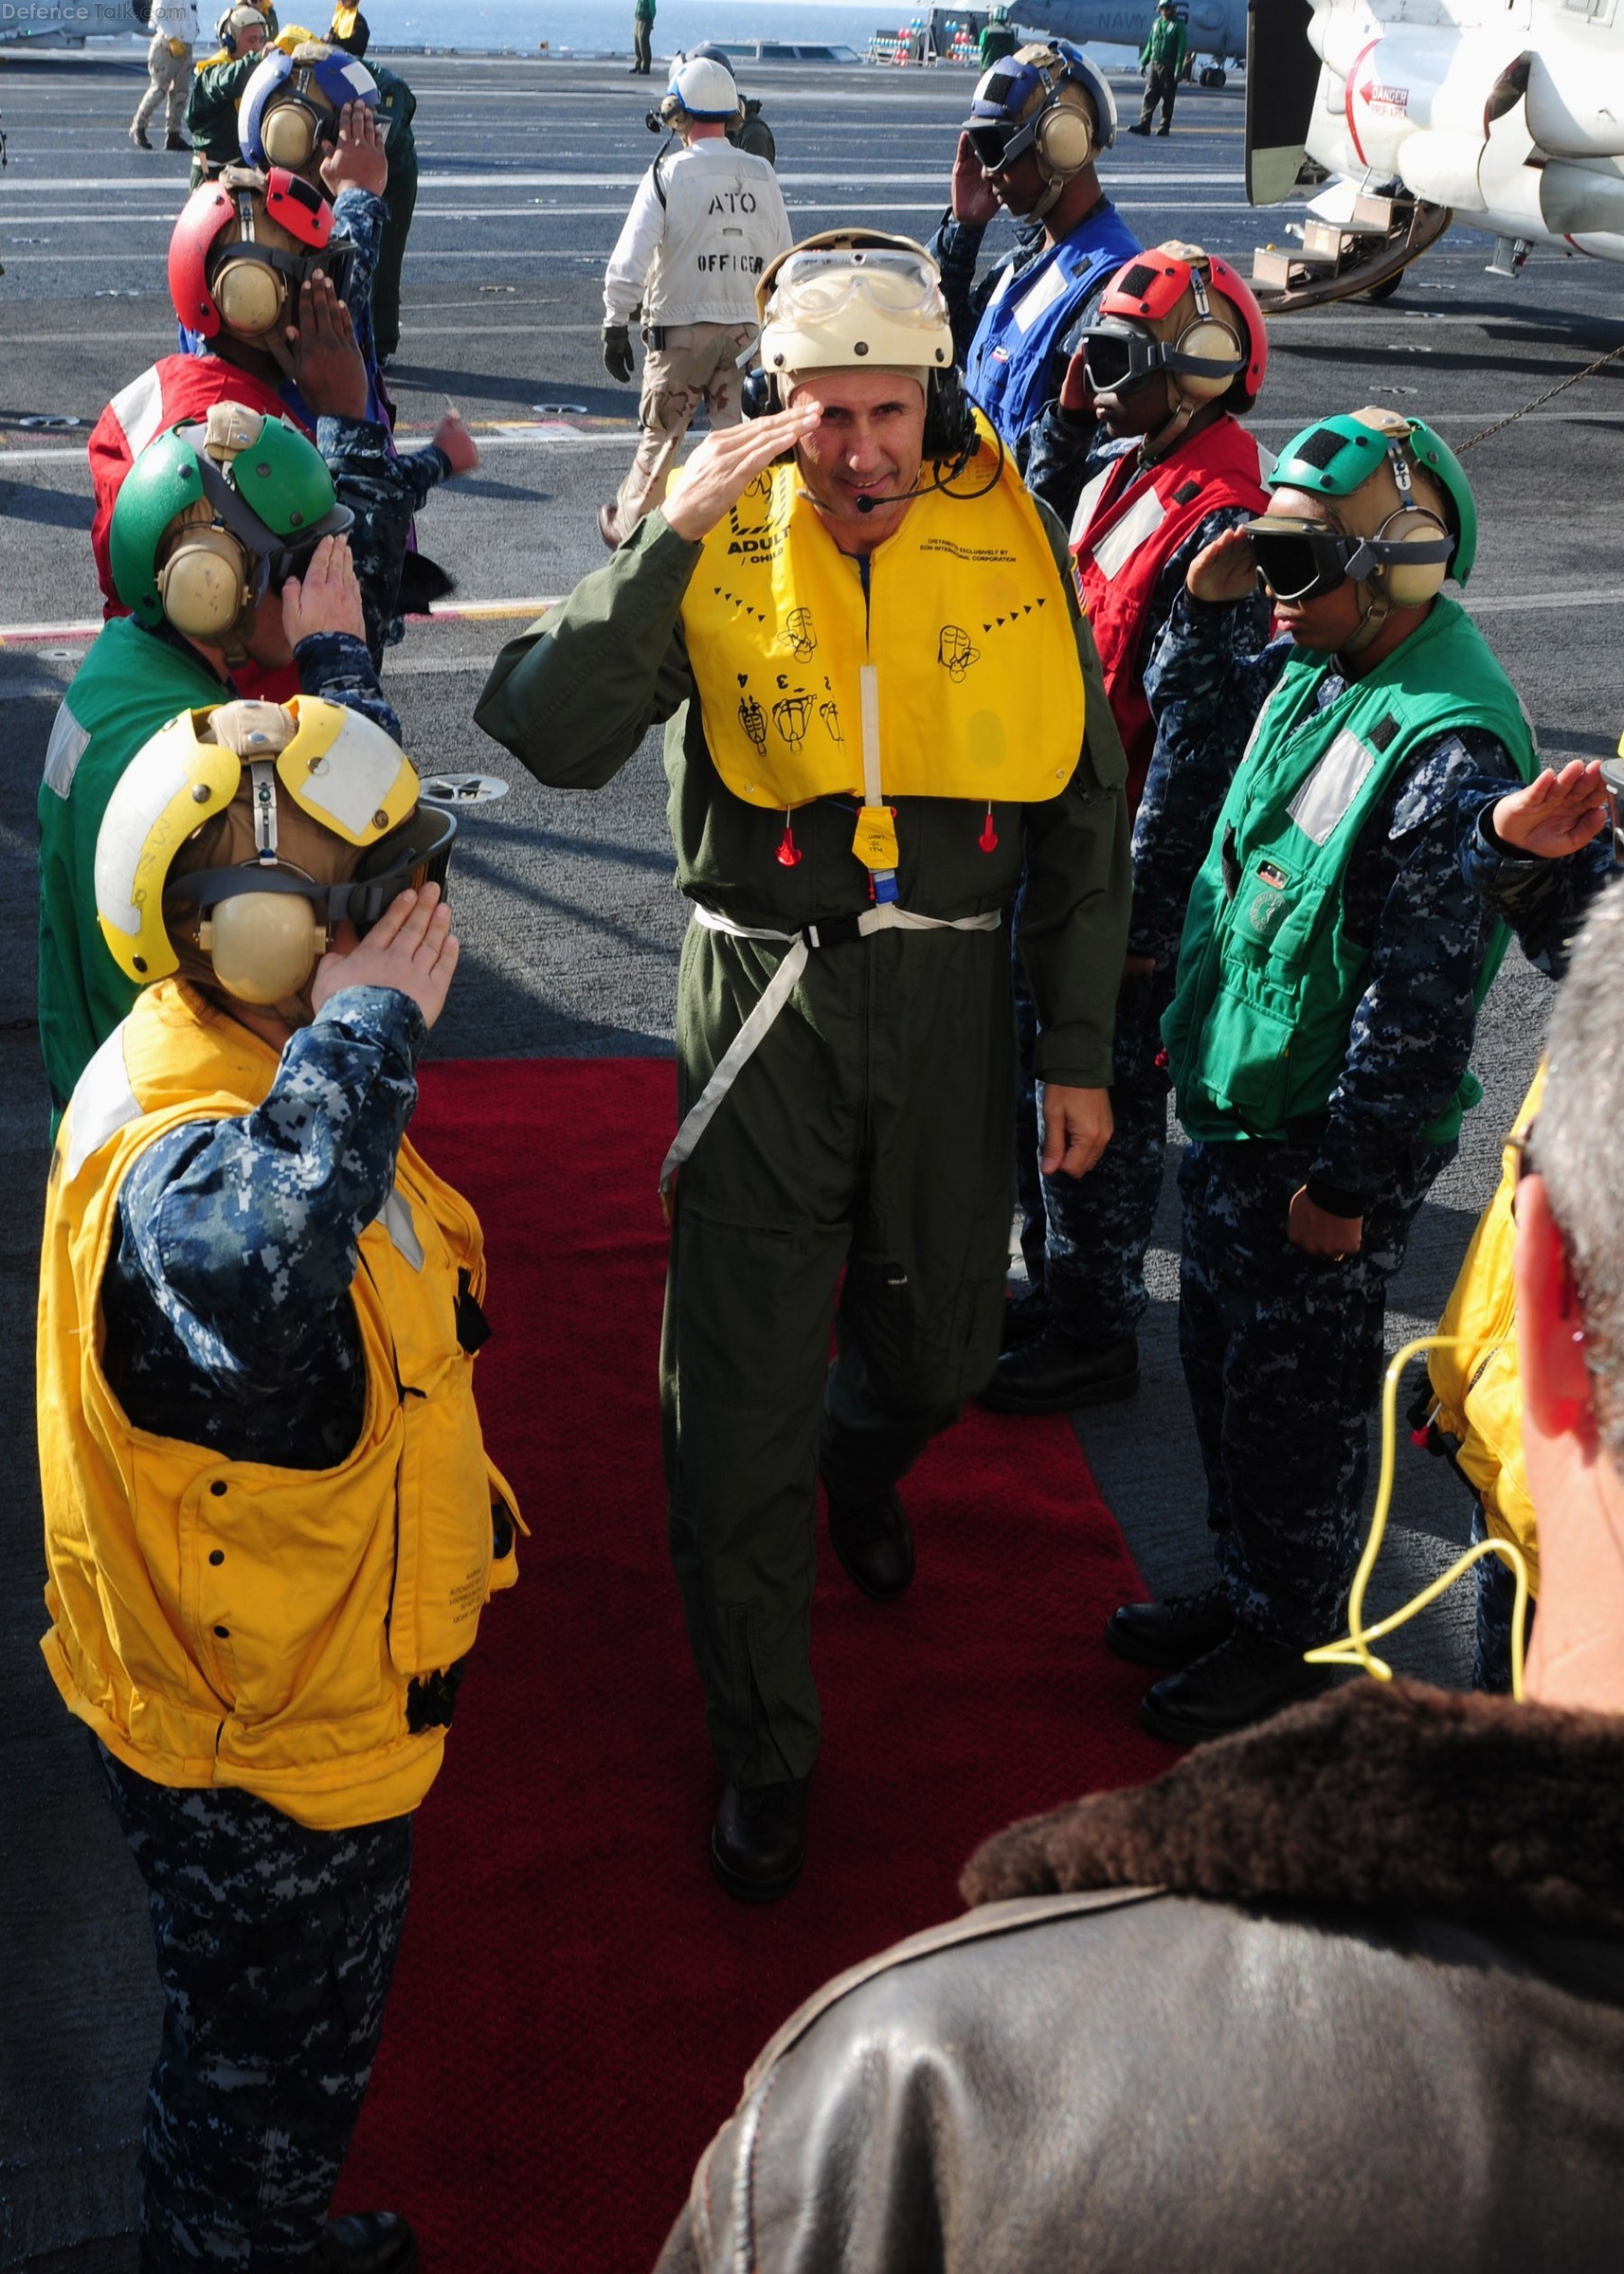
[1048, 201]
[1370, 624]
[1167, 437]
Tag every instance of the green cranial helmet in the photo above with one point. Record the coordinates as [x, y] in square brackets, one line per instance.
[1337, 457]
[269, 499]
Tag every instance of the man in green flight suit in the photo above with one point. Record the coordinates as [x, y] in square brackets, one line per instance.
[643, 39]
[1162, 61]
[858, 631]
[397, 107]
[997, 39]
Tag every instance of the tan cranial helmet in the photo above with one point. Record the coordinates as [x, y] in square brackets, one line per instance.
[1381, 508]
[855, 299]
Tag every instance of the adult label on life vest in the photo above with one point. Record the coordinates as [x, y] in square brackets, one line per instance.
[875, 843]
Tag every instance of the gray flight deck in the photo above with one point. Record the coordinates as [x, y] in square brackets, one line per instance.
[569, 924]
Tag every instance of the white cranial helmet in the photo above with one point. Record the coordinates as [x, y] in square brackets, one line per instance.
[706, 89]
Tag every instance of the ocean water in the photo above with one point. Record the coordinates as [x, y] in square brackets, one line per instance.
[605, 26]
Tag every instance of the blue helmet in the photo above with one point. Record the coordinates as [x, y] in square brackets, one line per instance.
[290, 106]
[1037, 100]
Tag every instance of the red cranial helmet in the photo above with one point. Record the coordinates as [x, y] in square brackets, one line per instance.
[1180, 309]
[244, 244]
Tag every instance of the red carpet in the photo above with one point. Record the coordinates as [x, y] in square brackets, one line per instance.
[577, 2001]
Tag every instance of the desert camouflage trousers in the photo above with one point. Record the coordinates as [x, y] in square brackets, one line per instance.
[275, 1946]
[169, 84]
[698, 363]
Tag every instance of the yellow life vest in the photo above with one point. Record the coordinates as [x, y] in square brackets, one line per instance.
[1478, 1386]
[228, 1623]
[956, 676]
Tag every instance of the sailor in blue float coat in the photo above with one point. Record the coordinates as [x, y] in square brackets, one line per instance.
[1036, 124]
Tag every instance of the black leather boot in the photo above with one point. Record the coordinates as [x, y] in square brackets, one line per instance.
[1055, 1373]
[873, 1541]
[1175, 1633]
[758, 1837]
[368, 2242]
[1025, 1316]
[1243, 1680]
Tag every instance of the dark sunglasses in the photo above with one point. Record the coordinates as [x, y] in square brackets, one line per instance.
[1117, 362]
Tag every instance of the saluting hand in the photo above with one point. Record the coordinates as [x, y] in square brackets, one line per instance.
[359, 161]
[725, 464]
[1225, 571]
[1554, 814]
[411, 947]
[968, 191]
[327, 598]
[321, 356]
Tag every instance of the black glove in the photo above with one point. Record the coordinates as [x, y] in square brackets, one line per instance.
[617, 353]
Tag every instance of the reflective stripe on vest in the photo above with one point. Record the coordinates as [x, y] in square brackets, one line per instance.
[1008, 369]
[1128, 524]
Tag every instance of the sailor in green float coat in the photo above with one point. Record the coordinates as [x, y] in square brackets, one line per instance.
[1333, 959]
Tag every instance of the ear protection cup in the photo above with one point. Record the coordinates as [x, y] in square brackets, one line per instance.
[1212, 342]
[289, 135]
[758, 395]
[207, 585]
[950, 416]
[1062, 142]
[1411, 583]
[250, 296]
[263, 946]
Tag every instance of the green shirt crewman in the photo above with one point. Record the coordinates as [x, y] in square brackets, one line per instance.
[1334, 959]
[1161, 59]
[190, 629]
[818, 639]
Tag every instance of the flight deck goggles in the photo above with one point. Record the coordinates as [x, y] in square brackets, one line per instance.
[1305, 560]
[416, 854]
[1000, 144]
[1116, 361]
[813, 288]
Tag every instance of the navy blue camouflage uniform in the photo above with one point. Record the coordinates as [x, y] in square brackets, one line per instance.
[1283, 1352]
[229, 1323]
[1050, 455]
[1084, 1238]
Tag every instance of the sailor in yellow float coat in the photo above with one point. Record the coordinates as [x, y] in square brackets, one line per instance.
[876, 710]
[270, 1524]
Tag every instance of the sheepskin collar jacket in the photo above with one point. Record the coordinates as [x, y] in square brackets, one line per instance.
[1343, 1993]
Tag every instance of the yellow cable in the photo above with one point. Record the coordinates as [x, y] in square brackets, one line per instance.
[1354, 1648]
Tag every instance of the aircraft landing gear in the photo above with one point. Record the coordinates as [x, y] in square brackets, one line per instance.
[1211, 76]
[1361, 258]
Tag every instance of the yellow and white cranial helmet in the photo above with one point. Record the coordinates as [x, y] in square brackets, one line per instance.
[853, 297]
[339, 771]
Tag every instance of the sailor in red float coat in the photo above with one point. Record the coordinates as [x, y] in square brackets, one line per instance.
[1131, 519]
[1175, 347]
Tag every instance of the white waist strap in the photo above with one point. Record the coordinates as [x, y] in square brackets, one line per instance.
[887, 917]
